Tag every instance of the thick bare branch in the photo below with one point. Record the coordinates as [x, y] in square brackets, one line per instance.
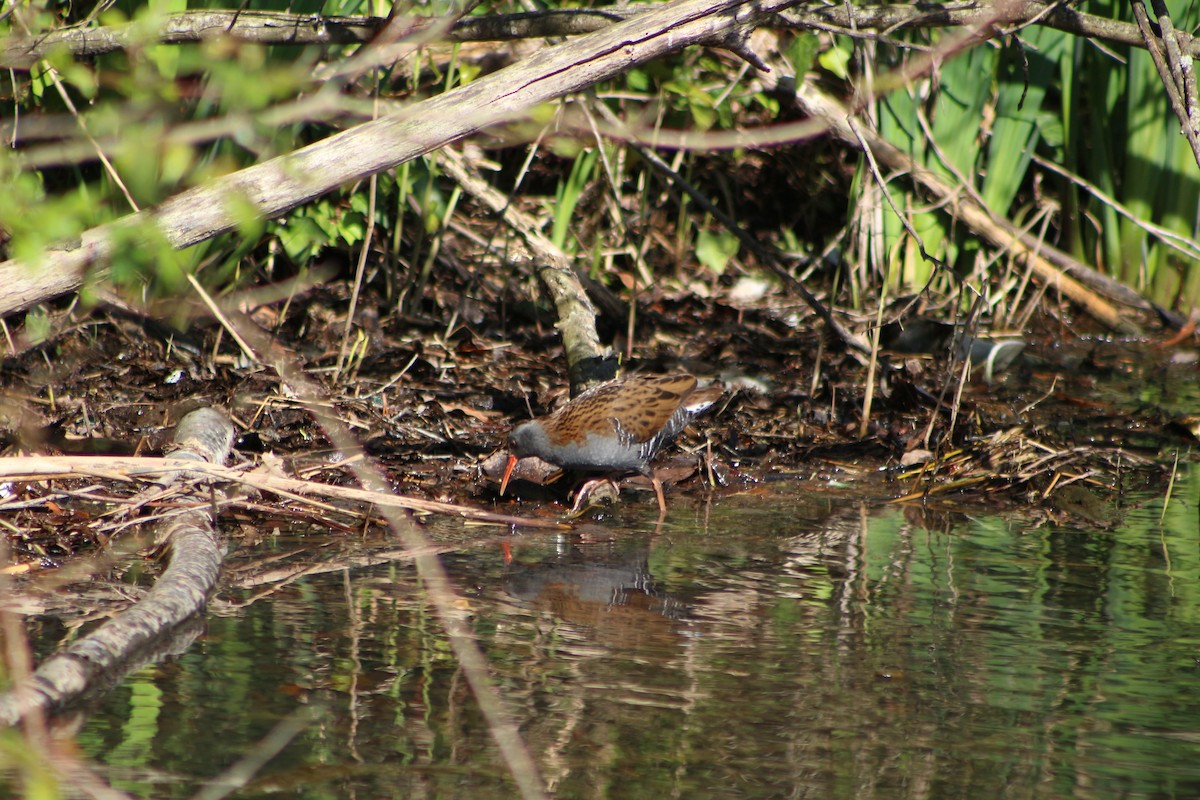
[587, 359]
[281, 184]
[277, 28]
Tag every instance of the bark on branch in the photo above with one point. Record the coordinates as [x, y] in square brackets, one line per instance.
[278, 28]
[1174, 69]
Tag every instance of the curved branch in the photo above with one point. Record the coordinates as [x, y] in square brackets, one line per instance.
[1170, 66]
[179, 594]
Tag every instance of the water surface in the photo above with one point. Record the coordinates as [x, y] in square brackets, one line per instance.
[771, 644]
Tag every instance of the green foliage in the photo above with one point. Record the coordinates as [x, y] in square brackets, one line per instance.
[1025, 77]
[950, 136]
[37, 325]
[702, 103]
[323, 222]
[714, 249]
[836, 59]
[173, 116]
[37, 221]
[141, 252]
[1127, 142]
[136, 105]
[1059, 95]
[803, 50]
[35, 778]
[567, 196]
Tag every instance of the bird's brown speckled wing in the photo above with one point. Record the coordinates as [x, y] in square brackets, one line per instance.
[641, 407]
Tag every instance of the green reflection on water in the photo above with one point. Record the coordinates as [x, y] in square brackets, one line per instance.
[762, 647]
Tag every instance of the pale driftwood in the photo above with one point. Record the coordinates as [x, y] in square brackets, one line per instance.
[205, 436]
[281, 184]
[178, 595]
[152, 469]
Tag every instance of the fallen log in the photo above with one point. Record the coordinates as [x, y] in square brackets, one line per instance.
[179, 595]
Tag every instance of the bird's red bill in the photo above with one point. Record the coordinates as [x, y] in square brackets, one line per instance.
[508, 470]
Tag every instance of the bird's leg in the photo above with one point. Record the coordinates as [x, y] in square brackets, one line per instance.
[658, 493]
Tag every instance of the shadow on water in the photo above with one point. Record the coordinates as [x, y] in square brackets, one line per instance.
[763, 645]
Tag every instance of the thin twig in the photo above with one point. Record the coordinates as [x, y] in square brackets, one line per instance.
[887, 195]
[65, 96]
[360, 271]
[135, 468]
[216, 312]
[1190, 248]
